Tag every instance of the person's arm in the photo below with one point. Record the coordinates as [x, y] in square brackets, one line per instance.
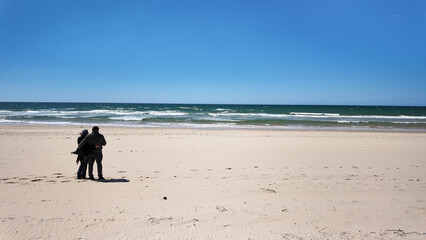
[83, 142]
[103, 141]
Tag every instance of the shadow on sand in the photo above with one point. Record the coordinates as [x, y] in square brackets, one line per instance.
[114, 180]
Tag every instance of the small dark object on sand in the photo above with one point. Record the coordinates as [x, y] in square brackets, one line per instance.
[165, 198]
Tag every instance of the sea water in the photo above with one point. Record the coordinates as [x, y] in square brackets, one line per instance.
[292, 117]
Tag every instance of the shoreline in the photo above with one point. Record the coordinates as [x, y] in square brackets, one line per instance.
[313, 129]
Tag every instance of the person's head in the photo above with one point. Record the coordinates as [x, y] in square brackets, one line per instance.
[95, 129]
[84, 132]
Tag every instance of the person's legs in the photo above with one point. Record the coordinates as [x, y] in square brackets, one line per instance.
[99, 157]
[91, 162]
[83, 166]
[80, 169]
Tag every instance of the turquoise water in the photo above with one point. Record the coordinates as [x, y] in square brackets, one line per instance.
[215, 116]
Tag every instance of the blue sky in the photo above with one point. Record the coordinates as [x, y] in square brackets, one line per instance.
[255, 52]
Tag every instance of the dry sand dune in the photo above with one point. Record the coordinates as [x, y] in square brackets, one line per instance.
[214, 184]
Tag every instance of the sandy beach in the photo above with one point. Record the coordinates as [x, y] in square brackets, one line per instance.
[218, 184]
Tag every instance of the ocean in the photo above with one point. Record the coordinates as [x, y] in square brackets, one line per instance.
[211, 116]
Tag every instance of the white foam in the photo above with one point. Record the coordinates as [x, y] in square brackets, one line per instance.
[166, 113]
[302, 115]
[314, 114]
[127, 118]
[409, 122]
[9, 121]
[347, 121]
[5, 111]
[249, 114]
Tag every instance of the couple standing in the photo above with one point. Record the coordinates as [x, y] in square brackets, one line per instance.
[90, 150]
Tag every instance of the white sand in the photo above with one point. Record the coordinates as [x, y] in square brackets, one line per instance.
[219, 184]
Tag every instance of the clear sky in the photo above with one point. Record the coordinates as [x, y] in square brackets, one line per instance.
[230, 51]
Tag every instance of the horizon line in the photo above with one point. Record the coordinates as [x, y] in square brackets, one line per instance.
[249, 104]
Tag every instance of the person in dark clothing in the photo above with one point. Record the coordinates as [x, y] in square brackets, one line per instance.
[95, 141]
[83, 155]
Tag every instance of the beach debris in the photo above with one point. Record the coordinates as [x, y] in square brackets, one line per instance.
[291, 236]
[411, 180]
[165, 198]
[268, 190]
[158, 220]
[228, 168]
[222, 209]
[401, 232]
